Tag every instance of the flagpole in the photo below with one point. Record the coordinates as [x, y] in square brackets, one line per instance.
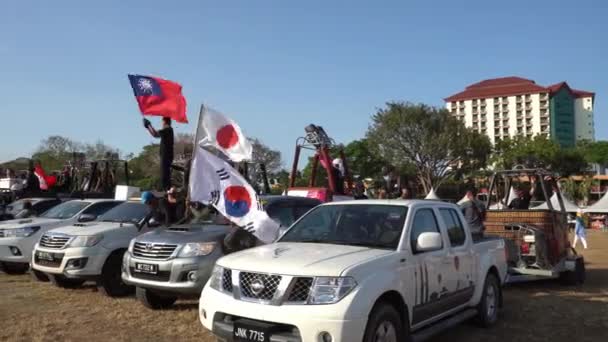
[194, 150]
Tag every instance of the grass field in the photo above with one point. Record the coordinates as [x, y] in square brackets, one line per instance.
[542, 311]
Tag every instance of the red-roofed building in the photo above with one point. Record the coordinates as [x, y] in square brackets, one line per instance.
[511, 106]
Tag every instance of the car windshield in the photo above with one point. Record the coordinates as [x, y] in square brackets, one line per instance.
[65, 210]
[367, 225]
[129, 212]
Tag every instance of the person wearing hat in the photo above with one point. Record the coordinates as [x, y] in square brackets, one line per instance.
[579, 230]
[159, 208]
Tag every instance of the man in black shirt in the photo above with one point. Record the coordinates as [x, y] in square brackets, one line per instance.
[166, 150]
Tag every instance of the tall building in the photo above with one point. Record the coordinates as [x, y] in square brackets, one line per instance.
[515, 106]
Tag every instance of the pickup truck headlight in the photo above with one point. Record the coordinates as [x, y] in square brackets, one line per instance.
[216, 277]
[20, 232]
[86, 240]
[330, 290]
[196, 249]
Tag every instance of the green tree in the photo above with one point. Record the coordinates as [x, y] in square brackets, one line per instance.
[263, 154]
[362, 160]
[595, 152]
[435, 142]
[145, 167]
[538, 151]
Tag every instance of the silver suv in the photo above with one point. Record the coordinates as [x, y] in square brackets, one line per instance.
[177, 261]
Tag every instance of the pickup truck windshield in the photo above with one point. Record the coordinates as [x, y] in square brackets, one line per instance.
[368, 225]
[65, 210]
[129, 212]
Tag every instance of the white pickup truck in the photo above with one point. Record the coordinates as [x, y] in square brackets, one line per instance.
[72, 254]
[366, 270]
[17, 237]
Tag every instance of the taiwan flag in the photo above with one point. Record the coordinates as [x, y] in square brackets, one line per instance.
[156, 96]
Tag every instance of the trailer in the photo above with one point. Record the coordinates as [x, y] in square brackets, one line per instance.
[537, 240]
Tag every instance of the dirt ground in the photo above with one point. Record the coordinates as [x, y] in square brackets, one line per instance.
[542, 311]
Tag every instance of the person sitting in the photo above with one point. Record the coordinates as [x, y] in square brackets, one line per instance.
[522, 201]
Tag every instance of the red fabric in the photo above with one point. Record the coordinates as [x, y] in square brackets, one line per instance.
[46, 182]
[171, 104]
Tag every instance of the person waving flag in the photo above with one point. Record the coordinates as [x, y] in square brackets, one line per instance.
[159, 97]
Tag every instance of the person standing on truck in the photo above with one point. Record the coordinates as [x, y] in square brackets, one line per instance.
[579, 230]
[166, 150]
[474, 213]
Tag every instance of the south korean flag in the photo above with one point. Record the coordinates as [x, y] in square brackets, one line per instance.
[213, 181]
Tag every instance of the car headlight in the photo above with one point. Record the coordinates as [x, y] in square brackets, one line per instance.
[197, 249]
[86, 240]
[330, 290]
[20, 232]
[215, 281]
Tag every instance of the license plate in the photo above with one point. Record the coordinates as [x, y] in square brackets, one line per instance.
[251, 331]
[45, 256]
[146, 268]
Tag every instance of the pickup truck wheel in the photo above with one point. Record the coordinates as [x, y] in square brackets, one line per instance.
[487, 309]
[576, 277]
[66, 283]
[110, 282]
[39, 276]
[10, 268]
[384, 325]
[152, 300]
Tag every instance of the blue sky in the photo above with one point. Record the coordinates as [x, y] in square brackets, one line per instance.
[276, 66]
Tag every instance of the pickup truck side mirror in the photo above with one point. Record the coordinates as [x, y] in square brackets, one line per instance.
[429, 242]
[86, 218]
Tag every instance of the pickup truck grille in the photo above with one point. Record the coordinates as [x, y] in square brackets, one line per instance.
[227, 280]
[258, 285]
[158, 251]
[54, 241]
[300, 291]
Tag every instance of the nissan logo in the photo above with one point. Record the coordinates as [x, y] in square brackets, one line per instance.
[257, 286]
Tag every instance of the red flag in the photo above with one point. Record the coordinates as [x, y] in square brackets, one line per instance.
[156, 96]
[46, 182]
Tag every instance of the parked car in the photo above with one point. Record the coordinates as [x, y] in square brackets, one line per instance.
[177, 262]
[358, 271]
[73, 254]
[18, 237]
[39, 206]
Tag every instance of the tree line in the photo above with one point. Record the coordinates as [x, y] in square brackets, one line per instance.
[423, 143]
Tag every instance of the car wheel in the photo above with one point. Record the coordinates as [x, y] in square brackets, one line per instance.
[153, 300]
[63, 282]
[13, 268]
[384, 325]
[39, 276]
[487, 309]
[576, 277]
[110, 282]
